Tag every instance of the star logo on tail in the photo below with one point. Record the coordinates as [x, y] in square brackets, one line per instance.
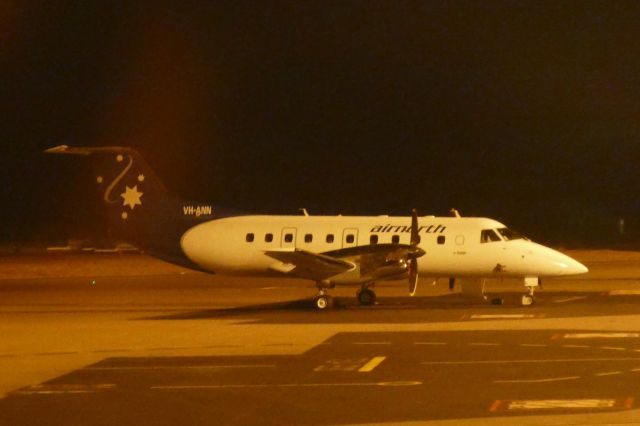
[131, 197]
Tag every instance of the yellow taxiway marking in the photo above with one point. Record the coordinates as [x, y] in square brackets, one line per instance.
[554, 379]
[635, 370]
[373, 363]
[613, 348]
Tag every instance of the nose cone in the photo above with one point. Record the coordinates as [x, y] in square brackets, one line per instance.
[546, 262]
[566, 265]
[573, 267]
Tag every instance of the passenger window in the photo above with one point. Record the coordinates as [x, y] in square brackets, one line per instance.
[249, 237]
[308, 238]
[395, 239]
[268, 238]
[329, 238]
[488, 236]
[441, 239]
[373, 239]
[350, 239]
[288, 238]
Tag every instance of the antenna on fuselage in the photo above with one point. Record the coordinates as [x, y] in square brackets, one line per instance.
[454, 213]
[304, 211]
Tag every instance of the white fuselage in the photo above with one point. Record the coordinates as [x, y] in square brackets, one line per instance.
[454, 246]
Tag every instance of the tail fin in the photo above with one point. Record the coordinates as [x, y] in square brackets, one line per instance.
[138, 206]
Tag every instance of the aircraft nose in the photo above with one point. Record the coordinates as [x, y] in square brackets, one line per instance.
[570, 266]
[576, 268]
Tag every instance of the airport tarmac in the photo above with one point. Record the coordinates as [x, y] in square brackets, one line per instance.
[109, 339]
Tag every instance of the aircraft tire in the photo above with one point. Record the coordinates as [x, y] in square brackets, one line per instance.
[527, 300]
[366, 297]
[323, 302]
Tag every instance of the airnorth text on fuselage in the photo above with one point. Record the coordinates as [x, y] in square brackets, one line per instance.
[431, 229]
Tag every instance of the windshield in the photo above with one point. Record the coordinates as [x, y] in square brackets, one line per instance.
[509, 234]
[488, 236]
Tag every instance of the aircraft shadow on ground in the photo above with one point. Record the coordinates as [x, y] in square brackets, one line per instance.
[346, 305]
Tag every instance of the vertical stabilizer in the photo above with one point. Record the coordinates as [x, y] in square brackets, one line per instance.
[138, 207]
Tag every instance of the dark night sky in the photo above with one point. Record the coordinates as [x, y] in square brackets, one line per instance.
[528, 112]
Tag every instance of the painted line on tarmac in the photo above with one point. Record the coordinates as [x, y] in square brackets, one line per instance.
[372, 364]
[285, 385]
[527, 361]
[553, 379]
[501, 316]
[569, 299]
[555, 404]
[624, 293]
[181, 367]
[613, 348]
[608, 373]
[595, 336]
[60, 389]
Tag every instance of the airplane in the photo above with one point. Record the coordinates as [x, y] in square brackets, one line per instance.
[329, 250]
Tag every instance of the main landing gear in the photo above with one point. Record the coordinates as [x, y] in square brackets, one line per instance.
[531, 283]
[366, 296]
[323, 301]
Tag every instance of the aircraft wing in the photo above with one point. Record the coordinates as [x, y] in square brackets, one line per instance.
[305, 264]
[373, 262]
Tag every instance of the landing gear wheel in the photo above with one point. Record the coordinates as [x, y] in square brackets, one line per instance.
[323, 302]
[366, 297]
[527, 300]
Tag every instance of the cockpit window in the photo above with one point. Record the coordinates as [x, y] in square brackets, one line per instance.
[489, 236]
[509, 234]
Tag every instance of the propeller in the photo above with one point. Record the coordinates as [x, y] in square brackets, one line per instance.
[414, 253]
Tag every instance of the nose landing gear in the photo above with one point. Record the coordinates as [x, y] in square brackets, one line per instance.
[531, 283]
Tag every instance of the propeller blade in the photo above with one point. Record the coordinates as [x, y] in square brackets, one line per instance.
[414, 253]
[413, 276]
[415, 238]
